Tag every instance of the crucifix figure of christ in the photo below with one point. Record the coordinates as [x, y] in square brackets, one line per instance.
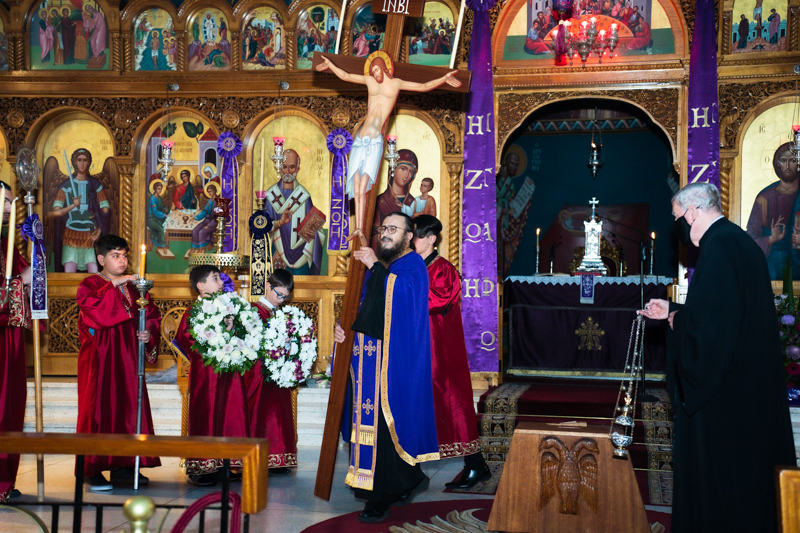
[383, 86]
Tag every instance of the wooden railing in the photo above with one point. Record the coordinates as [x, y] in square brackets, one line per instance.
[253, 453]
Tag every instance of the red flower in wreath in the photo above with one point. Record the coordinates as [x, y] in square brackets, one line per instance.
[793, 369]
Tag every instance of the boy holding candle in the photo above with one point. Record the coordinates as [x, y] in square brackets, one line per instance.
[108, 360]
[270, 407]
[217, 402]
[14, 315]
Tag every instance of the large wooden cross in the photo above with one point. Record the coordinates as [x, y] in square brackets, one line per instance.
[396, 11]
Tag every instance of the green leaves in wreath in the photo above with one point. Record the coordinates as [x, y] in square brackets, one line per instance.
[193, 130]
[169, 129]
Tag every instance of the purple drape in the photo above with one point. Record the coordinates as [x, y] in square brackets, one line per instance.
[229, 146]
[703, 141]
[479, 252]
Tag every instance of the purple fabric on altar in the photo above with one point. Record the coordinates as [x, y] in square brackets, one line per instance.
[543, 320]
[703, 140]
[479, 264]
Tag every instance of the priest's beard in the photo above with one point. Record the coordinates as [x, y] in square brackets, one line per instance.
[289, 178]
[388, 254]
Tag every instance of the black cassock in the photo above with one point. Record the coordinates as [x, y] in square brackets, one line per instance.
[727, 383]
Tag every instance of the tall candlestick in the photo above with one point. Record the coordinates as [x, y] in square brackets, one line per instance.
[652, 250]
[9, 255]
[2, 205]
[142, 262]
[261, 184]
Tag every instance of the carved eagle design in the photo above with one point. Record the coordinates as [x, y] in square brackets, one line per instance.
[563, 468]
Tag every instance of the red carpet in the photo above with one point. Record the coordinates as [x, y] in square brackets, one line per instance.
[429, 517]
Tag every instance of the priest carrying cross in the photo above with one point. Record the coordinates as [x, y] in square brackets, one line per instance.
[384, 79]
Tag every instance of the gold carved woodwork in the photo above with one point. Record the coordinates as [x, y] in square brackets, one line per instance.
[662, 104]
[440, 107]
[340, 117]
[19, 52]
[793, 29]
[342, 264]
[115, 48]
[566, 471]
[15, 118]
[123, 119]
[454, 234]
[725, 168]
[127, 172]
[230, 119]
[338, 306]
[63, 325]
[127, 52]
[181, 60]
[291, 48]
[737, 99]
[727, 31]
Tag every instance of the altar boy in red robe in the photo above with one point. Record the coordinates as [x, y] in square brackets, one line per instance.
[108, 326]
[15, 315]
[271, 413]
[456, 421]
[217, 402]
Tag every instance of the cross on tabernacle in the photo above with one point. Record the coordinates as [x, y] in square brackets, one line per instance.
[594, 203]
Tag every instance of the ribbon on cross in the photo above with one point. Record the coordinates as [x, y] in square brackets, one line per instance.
[339, 144]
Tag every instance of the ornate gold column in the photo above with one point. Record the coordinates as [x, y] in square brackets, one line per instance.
[181, 60]
[19, 51]
[291, 49]
[236, 52]
[116, 51]
[342, 264]
[454, 233]
[12, 48]
[727, 158]
[127, 53]
[127, 171]
[793, 29]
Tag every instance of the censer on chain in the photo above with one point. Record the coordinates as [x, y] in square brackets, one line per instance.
[622, 421]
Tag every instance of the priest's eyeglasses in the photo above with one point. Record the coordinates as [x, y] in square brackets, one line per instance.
[391, 230]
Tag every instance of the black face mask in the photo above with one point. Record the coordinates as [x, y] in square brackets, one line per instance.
[683, 230]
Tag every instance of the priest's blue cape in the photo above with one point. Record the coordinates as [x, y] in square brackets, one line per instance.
[393, 372]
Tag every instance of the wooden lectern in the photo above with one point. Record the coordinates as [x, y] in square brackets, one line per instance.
[561, 478]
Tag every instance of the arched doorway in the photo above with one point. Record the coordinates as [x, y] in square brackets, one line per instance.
[546, 157]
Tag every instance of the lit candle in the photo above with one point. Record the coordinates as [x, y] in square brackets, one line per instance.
[2, 205]
[278, 141]
[10, 249]
[391, 138]
[652, 250]
[142, 262]
[653, 239]
[261, 183]
[537, 236]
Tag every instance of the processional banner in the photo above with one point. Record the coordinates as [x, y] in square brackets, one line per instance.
[479, 218]
[703, 140]
[229, 146]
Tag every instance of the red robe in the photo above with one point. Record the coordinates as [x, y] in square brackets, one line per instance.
[107, 366]
[271, 413]
[456, 421]
[14, 316]
[217, 402]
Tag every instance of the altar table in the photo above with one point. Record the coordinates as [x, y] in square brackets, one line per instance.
[549, 329]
